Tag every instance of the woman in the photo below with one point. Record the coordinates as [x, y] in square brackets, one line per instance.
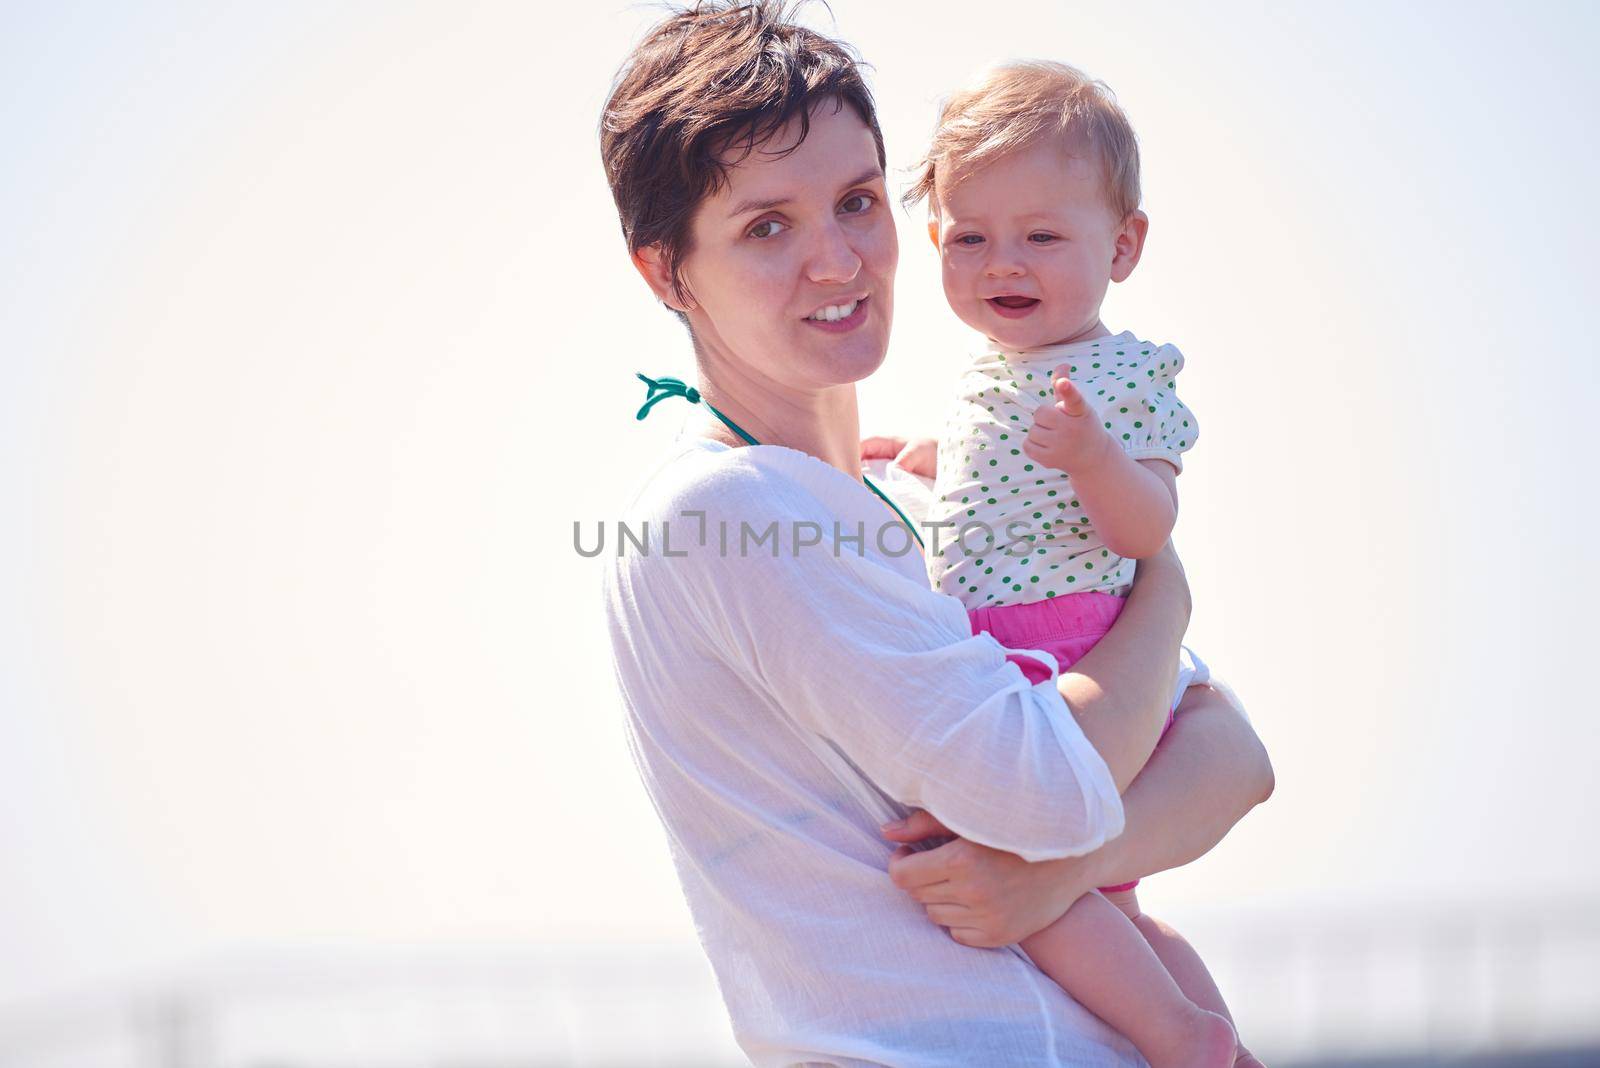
[790, 678]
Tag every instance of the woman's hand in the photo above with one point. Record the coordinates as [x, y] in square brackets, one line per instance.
[1208, 771]
[985, 897]
[919, 456]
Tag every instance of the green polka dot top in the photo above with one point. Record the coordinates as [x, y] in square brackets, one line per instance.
[1016, 532]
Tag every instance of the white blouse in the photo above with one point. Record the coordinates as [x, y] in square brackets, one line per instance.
[791, 681]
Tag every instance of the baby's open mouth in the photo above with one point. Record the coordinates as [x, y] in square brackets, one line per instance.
[1014, 302]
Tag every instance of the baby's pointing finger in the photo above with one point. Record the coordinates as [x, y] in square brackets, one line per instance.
[1068, 400]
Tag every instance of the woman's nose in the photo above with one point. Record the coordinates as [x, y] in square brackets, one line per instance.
[834, 259]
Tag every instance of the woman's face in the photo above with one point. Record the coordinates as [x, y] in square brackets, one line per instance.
[791, 271]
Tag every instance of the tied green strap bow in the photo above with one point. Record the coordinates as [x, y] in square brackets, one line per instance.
[662, 388]
[659, 389]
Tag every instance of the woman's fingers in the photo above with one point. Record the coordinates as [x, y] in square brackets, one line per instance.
[914, 828]
[920, 457]
[909, 870]
[976, 937]
[905, 873]
[939, 891]
[950, 914]
[940, 879]
[881, 448]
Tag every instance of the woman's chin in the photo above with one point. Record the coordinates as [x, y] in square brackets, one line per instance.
[851, 358]
[853, 367]
[866, 369]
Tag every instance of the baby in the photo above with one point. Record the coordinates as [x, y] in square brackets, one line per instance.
[1066, 444]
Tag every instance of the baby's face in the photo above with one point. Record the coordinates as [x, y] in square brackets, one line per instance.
[1029, 244]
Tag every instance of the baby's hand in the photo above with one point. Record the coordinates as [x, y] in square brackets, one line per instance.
[919, 456]
[1067, 433]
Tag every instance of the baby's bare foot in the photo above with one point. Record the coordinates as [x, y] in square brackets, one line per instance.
[1204, 1040]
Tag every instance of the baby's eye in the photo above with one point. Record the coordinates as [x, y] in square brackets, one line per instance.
[857, 204]
[969, 239]
[1041, 238]
[766, 228]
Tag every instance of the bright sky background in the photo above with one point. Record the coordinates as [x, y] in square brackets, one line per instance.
[317, 334]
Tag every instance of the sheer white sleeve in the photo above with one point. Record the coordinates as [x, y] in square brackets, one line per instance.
[859, 652]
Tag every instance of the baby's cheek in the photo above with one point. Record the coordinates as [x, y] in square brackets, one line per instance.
[958, 293]
[951, 285]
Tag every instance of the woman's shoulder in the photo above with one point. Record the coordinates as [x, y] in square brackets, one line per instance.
[699, 511]
[718, 533]
[701, 475]
[708, 515]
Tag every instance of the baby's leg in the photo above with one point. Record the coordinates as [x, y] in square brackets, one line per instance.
[1182, 963]
[1175, 952]
[1100, 958]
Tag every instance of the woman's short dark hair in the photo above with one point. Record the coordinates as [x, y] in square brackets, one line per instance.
[720, 77]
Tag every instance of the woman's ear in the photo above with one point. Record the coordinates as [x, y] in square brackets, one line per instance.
[1129, 245]
[651, 263]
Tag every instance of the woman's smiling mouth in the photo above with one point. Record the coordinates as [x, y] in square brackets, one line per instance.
[839, 318]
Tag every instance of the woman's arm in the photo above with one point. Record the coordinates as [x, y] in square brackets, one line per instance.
[1208, 771]
[929, 714]
[1120, 691]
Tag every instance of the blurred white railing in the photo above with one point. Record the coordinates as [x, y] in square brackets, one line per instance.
[1331, 987]
[1449, 981]
[463, 1009]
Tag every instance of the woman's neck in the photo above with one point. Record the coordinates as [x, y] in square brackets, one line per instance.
[822, 423]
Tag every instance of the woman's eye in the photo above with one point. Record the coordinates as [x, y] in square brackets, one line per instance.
[856, 204]
[766, 228]
[1041, 239]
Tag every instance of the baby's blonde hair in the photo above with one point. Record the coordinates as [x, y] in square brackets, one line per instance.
[1014, 104]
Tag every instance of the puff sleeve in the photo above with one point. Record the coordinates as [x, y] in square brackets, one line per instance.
[1138, 402]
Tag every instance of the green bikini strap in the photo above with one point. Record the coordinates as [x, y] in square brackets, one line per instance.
[659, 389]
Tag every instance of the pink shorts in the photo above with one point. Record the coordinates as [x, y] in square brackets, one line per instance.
[1063, 627]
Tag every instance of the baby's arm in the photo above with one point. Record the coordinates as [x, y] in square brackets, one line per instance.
[1132, 504]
